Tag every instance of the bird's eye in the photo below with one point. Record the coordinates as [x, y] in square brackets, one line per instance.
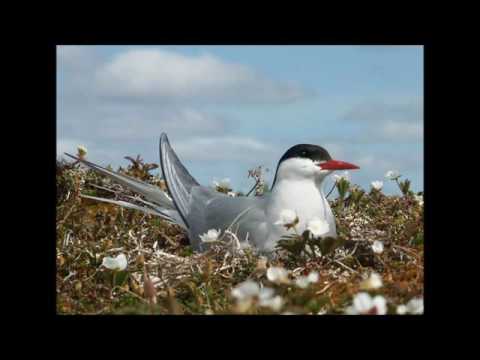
[304, 153]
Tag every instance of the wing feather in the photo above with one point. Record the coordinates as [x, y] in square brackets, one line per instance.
[178, 180]
[152, 193]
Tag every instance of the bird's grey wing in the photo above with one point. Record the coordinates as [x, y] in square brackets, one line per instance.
[244, 216]
[152, 193]
[178, 180]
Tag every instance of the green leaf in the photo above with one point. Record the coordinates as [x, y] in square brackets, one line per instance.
[121, 277]
[418, 239]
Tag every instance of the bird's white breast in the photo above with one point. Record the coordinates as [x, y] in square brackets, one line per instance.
[306, 198]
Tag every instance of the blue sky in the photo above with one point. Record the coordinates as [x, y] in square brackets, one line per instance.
[228, 109]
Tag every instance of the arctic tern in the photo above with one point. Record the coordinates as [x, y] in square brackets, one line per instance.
[297, 186]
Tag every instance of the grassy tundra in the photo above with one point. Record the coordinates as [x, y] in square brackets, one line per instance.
[374, 267]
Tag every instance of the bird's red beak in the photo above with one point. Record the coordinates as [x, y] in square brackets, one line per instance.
[337, 165]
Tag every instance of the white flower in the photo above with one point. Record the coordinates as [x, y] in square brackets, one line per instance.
[249, 291]
[116, 263]
[304, 281]
[287, 217]
[377, 247]
[313, 277]
[278, 275]
[275, 303]
[231, 194]
[364, 304]
[318, 227]
[415, 306]
[419, 199]
[392, 174]
[345, 176]
[373, 282]
[377, 185]
[210, 236]
[246, 290]
[322, 311]
[224, 184]
[82, 150]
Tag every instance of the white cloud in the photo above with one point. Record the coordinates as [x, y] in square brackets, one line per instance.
[402, 109]
[391, 120]
[402, 131]
[137, 123]
[223, 148]
[161, 74]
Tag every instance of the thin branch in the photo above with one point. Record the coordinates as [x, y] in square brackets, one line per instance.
[254, 187]
[345, 266]
[325, 288]
[333, 187]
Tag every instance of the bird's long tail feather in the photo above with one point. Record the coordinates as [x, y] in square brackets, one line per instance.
[158, 203]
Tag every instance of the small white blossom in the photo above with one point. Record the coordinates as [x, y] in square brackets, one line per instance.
[304, 281]
[117, 263]
[345, 176]
[275, 303]
[82, 150]
[392, 174]
[415, 306]
[377, 185]
[373, 282]
[322, 311]
[287, 217]
[313, 277]
[210, 236]
[278, 275]
[265, 293]
[364, 304]
[249, 291]
[246, 290]
[318, 227]
[377, 247]
[419, 199]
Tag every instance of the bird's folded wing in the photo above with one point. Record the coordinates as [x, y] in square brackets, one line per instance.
[178, 180]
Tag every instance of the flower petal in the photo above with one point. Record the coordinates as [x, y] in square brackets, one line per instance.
[121, 262]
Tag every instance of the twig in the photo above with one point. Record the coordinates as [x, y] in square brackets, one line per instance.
[333, 187]
[254, 187]
[345, 266]
[325, 288]
[408, 251]
[170, 256]
[131, 293]
[69, 212]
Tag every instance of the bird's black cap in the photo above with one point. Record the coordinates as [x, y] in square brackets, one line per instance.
[314, 152]
[308, 151]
